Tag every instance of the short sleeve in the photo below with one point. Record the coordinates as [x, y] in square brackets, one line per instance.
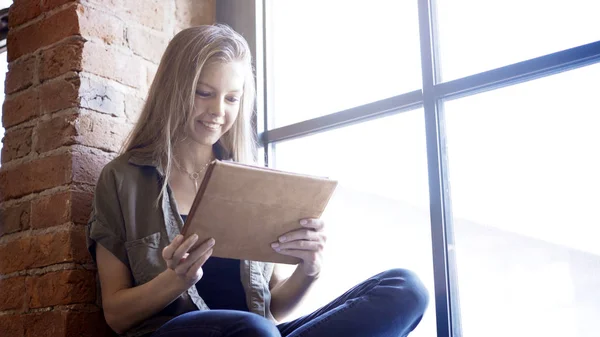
[106, 225]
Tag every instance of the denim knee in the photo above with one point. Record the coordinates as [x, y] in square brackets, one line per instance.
[406, 289]
[252, 325]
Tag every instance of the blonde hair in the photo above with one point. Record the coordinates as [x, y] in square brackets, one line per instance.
[170, 100]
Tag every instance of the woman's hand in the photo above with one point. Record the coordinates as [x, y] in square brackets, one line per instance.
[187, 265]
[307, 244]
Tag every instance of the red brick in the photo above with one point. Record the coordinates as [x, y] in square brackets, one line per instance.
[51, 4]
[61, 288]
[20, 108]
[13, 255]
[17, 144]
[61, 208]
[67, 324]
[48, 323]
[35, 176]
[12, 326]
[147, 43]
[195, 13]
[60, 59]
[56, 132]
[43, 250]
[88, 165]
[101, 95]
[59, 247]
[79, 166]
[22, 11]
[47, 31]
[81, 203]
[102, 131]
[13, 293]
[90, 129]
[116, 6]
[133, 108]
[99, 24]
[15, 218]
[107, 62]
[51, 210]
[59, 94]
[151, 69]
[20, 74]
[150, 13]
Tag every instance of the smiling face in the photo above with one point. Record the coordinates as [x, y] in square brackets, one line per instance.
[217, 101]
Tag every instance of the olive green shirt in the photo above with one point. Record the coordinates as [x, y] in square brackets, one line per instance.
[125, 221]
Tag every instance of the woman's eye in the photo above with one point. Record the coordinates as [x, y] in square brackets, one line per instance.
[203, 93]
[233, 99]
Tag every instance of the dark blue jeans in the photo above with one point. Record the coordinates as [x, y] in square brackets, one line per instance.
[389, 304]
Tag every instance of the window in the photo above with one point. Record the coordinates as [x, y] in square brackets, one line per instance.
[338, 62]
[476, 35]
[381, 165]
[4, 5]
[465, 131]
[384, 195]
[524, 188]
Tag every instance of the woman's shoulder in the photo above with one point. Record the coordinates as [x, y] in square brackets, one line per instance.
[118, 162]
[127, 166]
[130, 161]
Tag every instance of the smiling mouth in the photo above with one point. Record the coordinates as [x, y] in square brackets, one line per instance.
[211, 126]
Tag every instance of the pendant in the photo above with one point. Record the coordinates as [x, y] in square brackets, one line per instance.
[195, 176]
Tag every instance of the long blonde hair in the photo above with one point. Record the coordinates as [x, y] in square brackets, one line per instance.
[170, 100]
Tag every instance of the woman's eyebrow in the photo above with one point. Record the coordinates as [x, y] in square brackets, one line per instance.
[212, 88]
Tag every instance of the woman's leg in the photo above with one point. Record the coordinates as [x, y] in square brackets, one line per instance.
[218, 323]
[389, 304]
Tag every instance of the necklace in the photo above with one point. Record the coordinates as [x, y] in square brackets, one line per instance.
[194, 175]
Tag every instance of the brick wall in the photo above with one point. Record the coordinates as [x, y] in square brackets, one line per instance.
[78, 75]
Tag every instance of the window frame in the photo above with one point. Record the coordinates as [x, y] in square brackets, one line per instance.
[248, 18]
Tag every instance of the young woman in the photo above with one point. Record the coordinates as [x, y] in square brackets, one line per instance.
[198, 109]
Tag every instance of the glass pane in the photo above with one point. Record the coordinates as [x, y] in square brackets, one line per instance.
[524, 176]
[328, 56]
[480, 35]
[381, 204]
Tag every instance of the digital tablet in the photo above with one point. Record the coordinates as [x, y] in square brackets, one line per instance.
[245, 208]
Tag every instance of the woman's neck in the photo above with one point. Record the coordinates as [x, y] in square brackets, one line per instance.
[192, 157]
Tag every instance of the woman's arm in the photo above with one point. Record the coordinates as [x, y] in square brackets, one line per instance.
[307, 244]
[126, 306]
[287, 293]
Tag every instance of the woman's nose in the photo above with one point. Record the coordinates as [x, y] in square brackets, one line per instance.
[218, 107]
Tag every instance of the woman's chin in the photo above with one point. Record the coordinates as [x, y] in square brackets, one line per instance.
[207, 141]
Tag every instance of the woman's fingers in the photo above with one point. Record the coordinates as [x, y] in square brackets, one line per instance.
[301, 254]
[169, 250]
[299, 245]
[177, 250]
[306, 244]
[316, 224]
[184, 248]
[311, 259]
[195, 270]
[197, 254]
[301, 234]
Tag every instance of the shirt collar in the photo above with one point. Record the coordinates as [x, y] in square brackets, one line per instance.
[139, 159]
